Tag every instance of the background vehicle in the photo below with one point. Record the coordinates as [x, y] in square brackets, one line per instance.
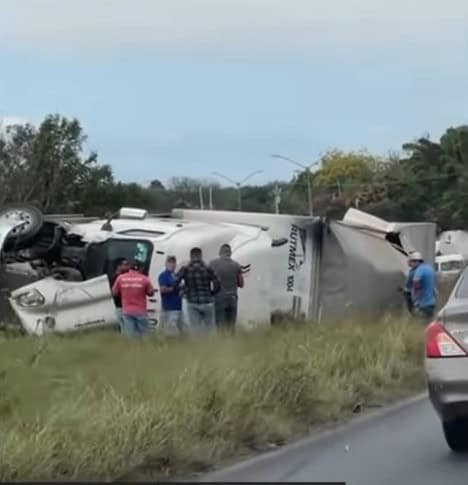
[446, 365]
[449, 265]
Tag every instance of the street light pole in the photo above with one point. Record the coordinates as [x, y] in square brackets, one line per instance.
[238, 184]
[277, 198]
[210, 193]
[200, 195]
[239, 197]
[306, 168]
[309, 193]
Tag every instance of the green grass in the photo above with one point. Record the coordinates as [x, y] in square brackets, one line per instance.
[101, 407]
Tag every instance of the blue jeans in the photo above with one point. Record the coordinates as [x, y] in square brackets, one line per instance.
[172, 322]
[134, 325]
[201, 317]
[120, 319]
[226, 311]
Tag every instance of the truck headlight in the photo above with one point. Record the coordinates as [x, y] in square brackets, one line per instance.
[30, 299]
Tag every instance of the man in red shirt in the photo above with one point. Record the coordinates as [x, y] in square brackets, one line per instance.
[133, 287]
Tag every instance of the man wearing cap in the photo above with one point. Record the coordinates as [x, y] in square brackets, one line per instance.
[423, 291]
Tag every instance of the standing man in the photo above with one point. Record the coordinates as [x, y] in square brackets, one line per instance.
[133, 287]
[424, 287]
[122, 266]
[408, 289]
[200, 286]
[171, 301]
[229, 273]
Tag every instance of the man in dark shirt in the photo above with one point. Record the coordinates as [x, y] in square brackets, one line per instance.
[122, 266]
[200, 286]
[229, 273]
[171, 301]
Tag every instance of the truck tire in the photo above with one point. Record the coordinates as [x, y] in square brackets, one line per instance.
[33, 221]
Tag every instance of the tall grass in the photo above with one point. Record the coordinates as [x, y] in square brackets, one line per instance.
[101, 407]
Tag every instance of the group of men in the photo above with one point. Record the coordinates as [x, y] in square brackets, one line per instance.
[210, 291]
[421, 287]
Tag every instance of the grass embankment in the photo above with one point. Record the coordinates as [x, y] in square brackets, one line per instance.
[100, 407]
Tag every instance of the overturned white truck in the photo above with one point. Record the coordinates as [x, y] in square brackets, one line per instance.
[293, 265]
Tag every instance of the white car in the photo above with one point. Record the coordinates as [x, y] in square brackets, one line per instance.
[449, 265]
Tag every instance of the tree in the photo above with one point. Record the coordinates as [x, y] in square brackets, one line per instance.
[156, 185]
[429, 182]
[341, 181]
[48, 167]
[340, 170]
[16, 147]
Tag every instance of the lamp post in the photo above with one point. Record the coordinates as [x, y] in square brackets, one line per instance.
[307, 169]
[238, 184]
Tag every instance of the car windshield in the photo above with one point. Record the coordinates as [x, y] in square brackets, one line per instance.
[103, 258]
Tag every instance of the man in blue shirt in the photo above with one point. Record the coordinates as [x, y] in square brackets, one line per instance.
[171, 300]
[424, 287]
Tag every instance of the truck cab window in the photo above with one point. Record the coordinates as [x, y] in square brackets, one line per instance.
[102, 258]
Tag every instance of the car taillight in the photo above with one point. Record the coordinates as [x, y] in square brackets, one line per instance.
[440, 344]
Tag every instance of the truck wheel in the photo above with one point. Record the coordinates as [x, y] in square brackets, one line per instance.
[32, 223]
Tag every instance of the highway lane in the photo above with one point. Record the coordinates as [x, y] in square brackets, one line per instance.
[403, 445]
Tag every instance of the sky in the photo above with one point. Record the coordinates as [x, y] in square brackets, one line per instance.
[186, 87]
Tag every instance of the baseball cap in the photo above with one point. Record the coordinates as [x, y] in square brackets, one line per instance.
[415, 256]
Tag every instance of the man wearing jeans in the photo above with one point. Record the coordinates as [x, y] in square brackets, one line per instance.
[122, 266]
[200, 286]
[229, 273]
[133, 287]
[171, 301]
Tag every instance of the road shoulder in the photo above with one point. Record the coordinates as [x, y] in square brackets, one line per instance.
[243, 464]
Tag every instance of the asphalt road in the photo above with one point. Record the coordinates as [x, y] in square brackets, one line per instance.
[403, 445]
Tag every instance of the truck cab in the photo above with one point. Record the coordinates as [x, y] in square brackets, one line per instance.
[67, 304]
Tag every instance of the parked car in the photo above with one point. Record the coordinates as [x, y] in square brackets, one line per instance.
[449, 265]
[446, 365]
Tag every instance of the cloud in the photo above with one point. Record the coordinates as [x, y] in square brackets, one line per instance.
[230, 27]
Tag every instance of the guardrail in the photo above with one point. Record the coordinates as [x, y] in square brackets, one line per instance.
[81, 218]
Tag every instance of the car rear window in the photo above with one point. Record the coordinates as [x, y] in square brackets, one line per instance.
[451, 265]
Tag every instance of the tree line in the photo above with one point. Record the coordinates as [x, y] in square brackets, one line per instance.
[428, 181]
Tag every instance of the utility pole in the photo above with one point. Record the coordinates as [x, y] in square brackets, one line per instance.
[238, 184]
[339, 187]
[200, 195]
[239, 197]
[210, 197]
[307, 169]
[277, 198]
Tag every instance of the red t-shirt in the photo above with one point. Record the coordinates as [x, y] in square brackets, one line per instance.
[133, 287]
